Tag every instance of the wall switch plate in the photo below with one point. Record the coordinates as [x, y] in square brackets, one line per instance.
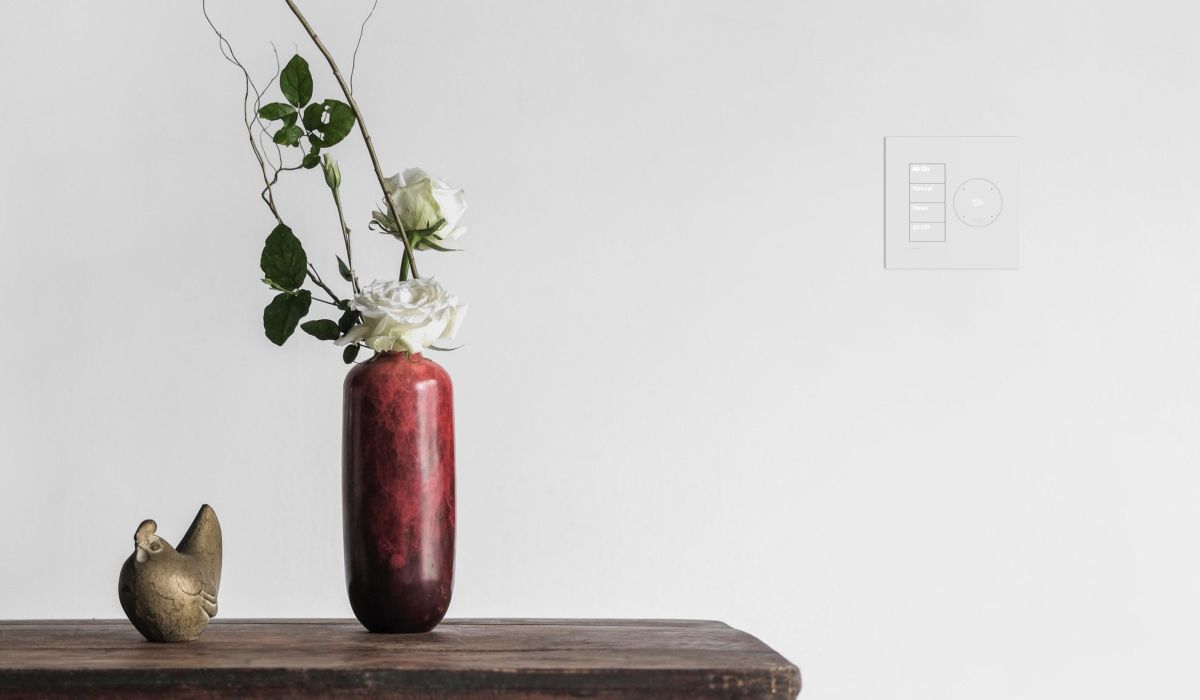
[951, 202]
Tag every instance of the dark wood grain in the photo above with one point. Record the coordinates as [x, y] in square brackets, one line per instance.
[336, 658]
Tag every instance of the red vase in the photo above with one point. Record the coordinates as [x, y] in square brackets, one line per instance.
[398, 492]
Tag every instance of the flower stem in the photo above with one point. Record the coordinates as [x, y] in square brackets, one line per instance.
[404, 269]
[362, 127]
[337, 199]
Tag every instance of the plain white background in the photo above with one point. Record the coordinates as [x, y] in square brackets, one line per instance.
[688, 386]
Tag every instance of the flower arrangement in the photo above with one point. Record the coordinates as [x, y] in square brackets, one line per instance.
[422, 213]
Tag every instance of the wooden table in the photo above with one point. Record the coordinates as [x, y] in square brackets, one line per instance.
[460, 659]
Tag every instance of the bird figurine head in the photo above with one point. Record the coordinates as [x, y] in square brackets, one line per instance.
[169, 593]
[147, 543]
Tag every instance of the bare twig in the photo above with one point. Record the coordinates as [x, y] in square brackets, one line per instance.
[275, 178]
[268, 195]
[316, 278]
[362, 127]
[361, 30]
[262, 128]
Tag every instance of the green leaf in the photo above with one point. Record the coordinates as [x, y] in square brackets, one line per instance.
[288, 136]
[323, 329]
[427, 243]
[276, 110]
[296, 82]
[311, 160]
[344, 270]
[423, 238]
[330, 120]
[350, 353]
[284, 261]
[427, 232]
[313, 115]
[283, 313]
[347, 321]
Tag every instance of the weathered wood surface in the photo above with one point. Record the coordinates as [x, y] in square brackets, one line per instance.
[460, 659]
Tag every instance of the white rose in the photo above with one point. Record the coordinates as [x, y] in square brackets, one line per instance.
[407, 315]
[421, 201]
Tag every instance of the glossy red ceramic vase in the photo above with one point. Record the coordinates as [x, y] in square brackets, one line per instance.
[398, 492]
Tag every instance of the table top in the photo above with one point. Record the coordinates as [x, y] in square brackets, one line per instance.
[484, 658]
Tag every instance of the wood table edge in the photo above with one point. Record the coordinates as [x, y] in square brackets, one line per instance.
[772, 676]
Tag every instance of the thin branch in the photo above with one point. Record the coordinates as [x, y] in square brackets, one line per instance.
[227, 52]
[316, 278]
[362, 127]
[275, 178]
[361, 30]
[262, 128]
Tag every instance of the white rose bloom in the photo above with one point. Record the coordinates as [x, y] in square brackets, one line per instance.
[407, 315]
[421, 201]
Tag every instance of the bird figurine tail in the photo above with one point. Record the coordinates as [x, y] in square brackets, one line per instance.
[203, 541]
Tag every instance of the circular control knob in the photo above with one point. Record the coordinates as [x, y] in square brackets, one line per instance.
[977, 202]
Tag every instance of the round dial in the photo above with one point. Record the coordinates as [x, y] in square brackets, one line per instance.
[977, 202]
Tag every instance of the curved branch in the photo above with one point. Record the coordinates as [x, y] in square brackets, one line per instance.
[362, 127]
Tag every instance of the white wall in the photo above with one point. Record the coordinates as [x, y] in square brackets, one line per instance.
[688, 388]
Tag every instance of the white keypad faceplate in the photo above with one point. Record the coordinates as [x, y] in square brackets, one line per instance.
[950, 202]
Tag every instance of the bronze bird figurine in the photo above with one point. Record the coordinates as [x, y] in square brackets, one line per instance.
[170, 594]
